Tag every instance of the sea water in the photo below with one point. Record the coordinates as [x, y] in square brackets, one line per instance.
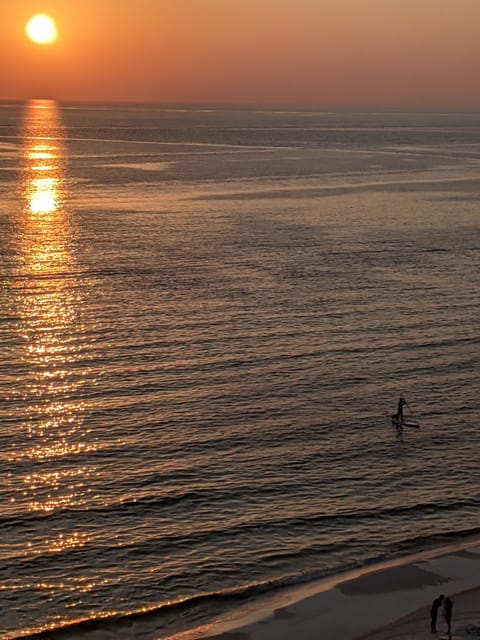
[208, 315]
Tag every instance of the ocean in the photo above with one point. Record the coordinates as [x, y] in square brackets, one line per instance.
[208, 315]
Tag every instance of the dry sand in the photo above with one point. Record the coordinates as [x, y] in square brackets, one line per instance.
[466, 622]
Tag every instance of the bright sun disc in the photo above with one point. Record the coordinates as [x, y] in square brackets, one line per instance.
[41, 29]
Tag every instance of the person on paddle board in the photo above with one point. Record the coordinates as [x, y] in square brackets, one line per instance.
[398, 417]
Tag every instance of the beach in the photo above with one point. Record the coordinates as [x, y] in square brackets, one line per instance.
[392, 602]
[413, 627]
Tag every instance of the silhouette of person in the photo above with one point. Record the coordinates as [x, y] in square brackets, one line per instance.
[447, 612]
[398, 417]
[436, 604]
[401, 402]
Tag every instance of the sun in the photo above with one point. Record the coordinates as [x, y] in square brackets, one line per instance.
[41, 29]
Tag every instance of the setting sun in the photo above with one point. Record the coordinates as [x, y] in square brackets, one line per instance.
[41, 29]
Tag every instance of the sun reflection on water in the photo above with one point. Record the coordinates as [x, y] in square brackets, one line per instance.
[52, 336]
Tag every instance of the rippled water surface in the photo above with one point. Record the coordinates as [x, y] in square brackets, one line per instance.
[207, 316]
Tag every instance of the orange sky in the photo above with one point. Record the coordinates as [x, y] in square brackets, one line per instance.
[419, 52]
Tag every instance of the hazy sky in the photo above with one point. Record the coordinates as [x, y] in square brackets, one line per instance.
[420, 52]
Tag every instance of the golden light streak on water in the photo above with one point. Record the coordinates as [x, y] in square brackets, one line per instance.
[50, 326]
[58, 544]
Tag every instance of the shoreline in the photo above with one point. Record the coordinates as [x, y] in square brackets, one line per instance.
[389, 600]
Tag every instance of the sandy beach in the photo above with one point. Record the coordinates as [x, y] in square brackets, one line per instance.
[415, 626]
[390, 601]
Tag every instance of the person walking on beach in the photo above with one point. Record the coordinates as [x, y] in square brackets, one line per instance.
[447, 613]
[436, 604]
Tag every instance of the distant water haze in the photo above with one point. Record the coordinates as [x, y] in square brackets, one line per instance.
[208, 316]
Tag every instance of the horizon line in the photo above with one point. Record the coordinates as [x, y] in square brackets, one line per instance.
[246, 104]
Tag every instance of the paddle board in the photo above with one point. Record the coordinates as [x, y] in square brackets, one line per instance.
[406, 423]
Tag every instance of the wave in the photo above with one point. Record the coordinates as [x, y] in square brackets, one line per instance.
[156, 618]
[151, 503]
[118, 619]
